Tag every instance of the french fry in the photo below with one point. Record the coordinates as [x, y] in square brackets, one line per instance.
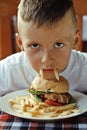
[41, 73]
[56, 74]
[25, 105]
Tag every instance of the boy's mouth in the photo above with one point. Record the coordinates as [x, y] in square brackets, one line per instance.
[48, 70]
[48, 74]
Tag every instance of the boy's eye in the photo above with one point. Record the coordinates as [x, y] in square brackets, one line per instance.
[59, 44]
[35, 45]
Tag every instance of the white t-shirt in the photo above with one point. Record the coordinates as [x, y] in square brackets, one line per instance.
[16, 73]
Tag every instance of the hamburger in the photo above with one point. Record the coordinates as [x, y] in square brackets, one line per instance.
[52, 92]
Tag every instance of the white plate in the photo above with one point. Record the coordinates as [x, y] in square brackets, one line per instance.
[5, 106]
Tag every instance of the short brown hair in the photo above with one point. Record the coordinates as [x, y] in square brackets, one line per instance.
[44, 11]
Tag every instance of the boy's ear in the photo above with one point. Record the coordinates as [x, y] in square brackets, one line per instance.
[77, 40]
[19, 41]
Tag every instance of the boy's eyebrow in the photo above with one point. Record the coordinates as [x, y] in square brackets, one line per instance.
[54, 41]
[32, 42]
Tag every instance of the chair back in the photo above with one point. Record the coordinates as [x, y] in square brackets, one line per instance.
[81, 10]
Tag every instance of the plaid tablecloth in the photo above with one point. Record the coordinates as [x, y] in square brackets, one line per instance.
[8, 122]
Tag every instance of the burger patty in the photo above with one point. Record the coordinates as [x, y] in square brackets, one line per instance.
[63, 98]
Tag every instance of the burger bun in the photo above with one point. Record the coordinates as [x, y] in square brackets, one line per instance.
[40, 84]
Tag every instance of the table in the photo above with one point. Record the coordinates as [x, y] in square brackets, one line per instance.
[8, 122]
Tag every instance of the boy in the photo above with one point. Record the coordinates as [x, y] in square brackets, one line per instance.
[47, 34]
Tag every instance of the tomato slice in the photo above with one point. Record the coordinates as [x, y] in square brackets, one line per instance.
[52, 103]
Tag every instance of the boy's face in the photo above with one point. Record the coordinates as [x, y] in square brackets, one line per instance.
[46, 47]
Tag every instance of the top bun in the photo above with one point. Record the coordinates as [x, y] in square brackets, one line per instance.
[40, 84]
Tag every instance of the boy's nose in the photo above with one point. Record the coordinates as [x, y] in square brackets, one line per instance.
[47, 58]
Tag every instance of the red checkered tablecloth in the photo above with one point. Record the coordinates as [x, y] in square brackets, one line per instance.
[8, 122]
